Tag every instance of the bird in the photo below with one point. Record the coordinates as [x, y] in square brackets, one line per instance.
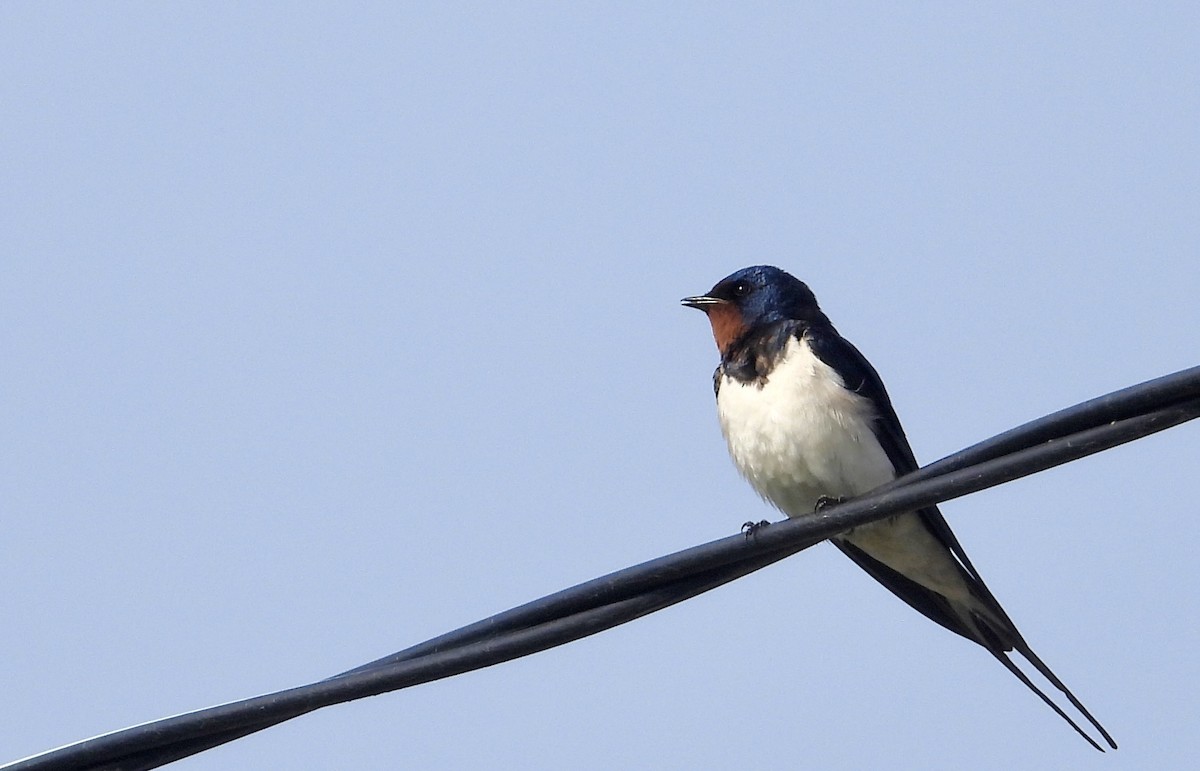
[807, 421]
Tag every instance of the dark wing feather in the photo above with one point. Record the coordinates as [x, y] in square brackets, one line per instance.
[930, 603]
[996, 631]
[859, 376]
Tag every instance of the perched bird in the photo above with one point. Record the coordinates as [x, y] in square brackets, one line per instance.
[807, 419]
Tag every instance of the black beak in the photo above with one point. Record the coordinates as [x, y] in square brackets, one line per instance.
[702, 302]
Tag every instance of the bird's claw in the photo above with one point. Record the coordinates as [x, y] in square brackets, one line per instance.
[750, 528]
[825, 501]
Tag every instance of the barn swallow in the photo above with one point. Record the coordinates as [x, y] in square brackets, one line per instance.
[807, 419]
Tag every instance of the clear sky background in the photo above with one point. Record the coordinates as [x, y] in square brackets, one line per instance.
[328, 329]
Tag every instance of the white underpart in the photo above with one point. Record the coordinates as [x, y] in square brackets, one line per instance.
[802, 435]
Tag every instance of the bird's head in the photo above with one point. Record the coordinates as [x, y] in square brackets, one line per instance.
[752, 298]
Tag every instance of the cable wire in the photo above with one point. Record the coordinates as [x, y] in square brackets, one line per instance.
[625, 595]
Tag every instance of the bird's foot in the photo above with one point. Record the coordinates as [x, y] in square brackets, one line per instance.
[750, 528]
[825, 501]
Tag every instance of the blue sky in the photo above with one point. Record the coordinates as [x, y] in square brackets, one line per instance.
[327, 329]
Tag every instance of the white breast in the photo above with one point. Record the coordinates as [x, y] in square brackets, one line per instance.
[801, 434]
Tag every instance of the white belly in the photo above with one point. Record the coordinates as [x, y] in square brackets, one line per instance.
[801, 435]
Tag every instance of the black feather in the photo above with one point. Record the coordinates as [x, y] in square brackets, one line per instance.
[994, 631]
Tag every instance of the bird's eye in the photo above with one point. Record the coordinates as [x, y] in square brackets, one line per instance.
[741, 289]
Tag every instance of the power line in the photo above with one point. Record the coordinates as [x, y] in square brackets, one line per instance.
[625, 595]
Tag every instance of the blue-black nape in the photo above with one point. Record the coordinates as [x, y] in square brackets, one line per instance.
[766, 293]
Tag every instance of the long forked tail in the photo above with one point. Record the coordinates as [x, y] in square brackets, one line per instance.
[1017, 643]
[982, 621]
